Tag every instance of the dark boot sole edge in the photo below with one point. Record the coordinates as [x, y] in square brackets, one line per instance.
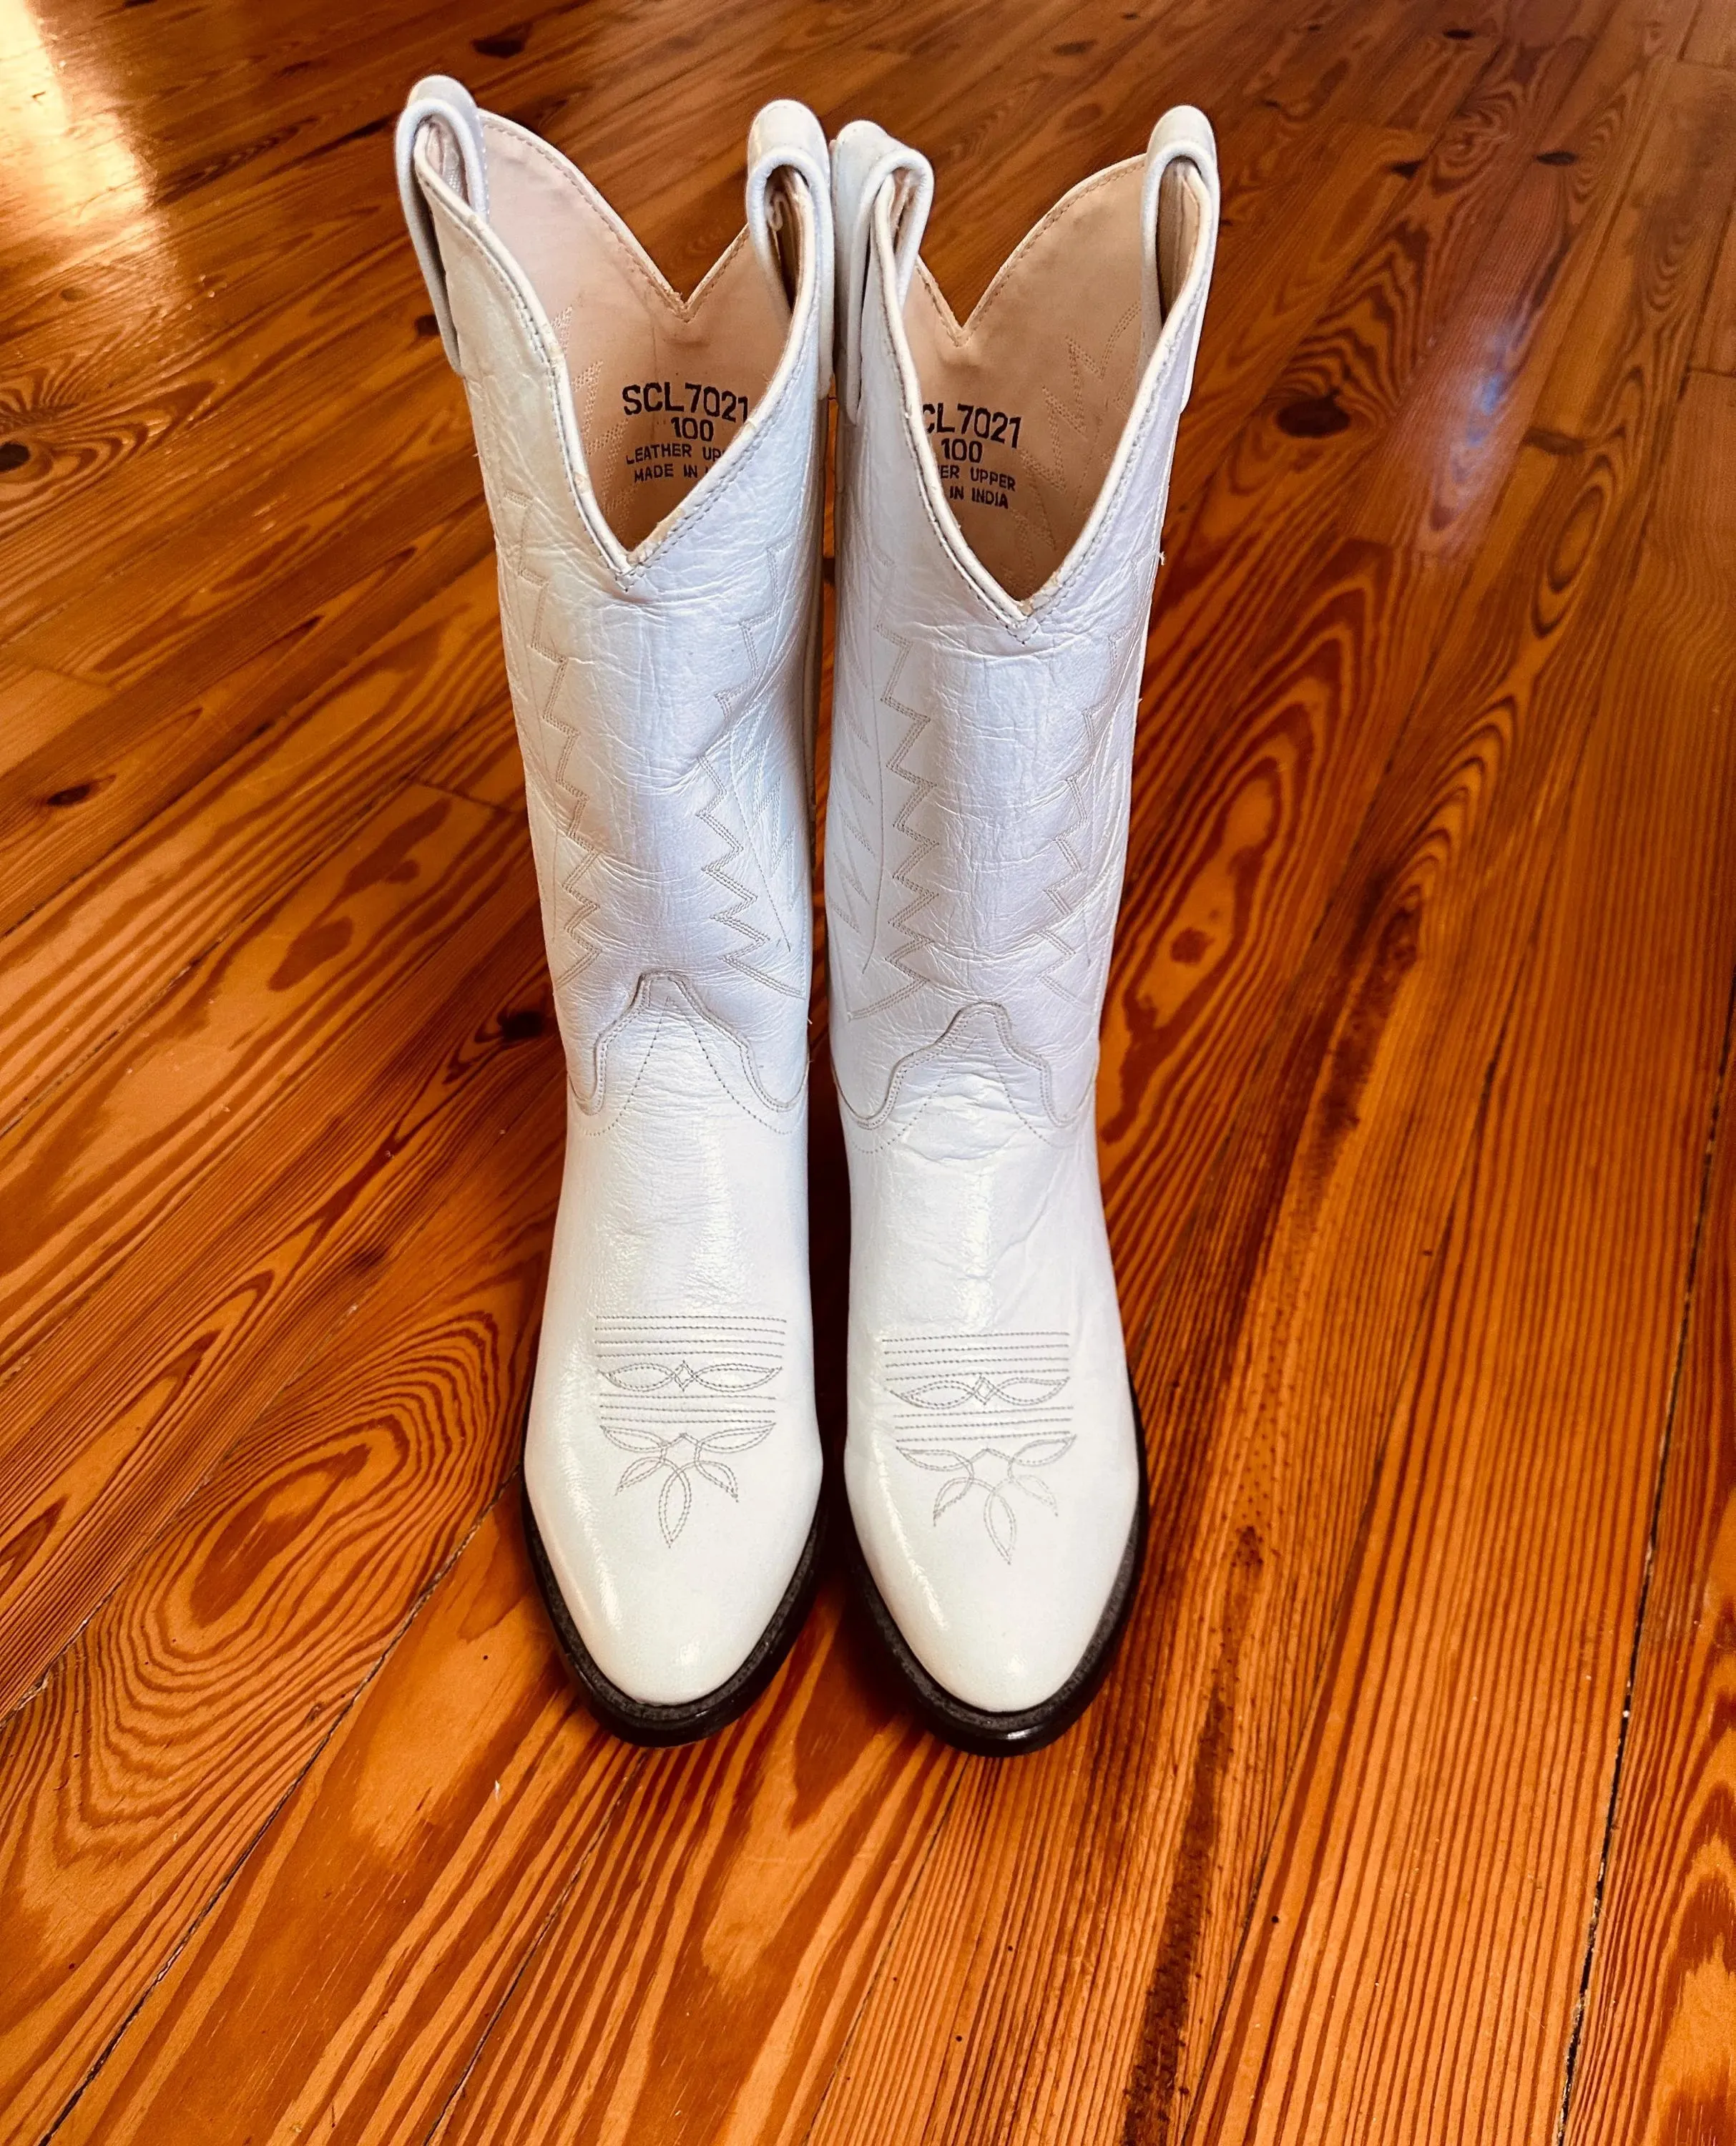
[990, 1735]
[637, 1721]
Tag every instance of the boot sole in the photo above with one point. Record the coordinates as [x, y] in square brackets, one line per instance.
[636, 1720]
[990, 1735]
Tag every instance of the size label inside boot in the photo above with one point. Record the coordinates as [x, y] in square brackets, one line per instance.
[674, 430]
[975, 447]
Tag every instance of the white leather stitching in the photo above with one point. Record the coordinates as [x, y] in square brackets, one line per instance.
[1000, 1395]
[670, 1400]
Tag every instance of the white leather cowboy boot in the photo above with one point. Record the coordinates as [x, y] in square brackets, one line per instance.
[655, 470]
[1001, 492]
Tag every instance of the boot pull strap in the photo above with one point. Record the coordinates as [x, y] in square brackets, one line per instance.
[786, 138]
[1180, 228]
[438, 101]
[866, 159]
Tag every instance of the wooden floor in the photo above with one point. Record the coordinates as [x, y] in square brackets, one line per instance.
[1409, 1812]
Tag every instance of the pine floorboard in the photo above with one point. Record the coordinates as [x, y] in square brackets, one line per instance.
[1406, 1814]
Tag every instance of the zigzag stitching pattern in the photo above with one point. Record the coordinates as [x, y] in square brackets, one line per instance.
[1072, 414]
[857, 900]
[565, 801]
[1066, 900]
[846, 877]
[735, 702]
[1068, 893]
[921, 845]
[553, 789]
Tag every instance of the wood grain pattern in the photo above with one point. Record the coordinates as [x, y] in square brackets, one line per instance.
[1239, 557]
[39, 705]
[95, 957]
[1716, 347]
[480, 760]
[1413, 1029]
[256, 423]
[754, 1881]
[130, 1400]
[82, 792]
[1438, 470]
[1467, 1724]
[447, 1812]
[1353, 1135]
[97, 1162]
[1712, 41]
[265, 1606]
[1656, 2059]
[1300, 465]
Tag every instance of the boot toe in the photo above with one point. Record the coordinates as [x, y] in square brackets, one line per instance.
[1003, 1582]
[666, 1591]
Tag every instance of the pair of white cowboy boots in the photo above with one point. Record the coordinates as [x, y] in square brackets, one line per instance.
[656, 469]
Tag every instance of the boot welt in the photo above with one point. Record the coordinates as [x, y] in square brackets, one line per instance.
[991, 1735]
[636, 1720]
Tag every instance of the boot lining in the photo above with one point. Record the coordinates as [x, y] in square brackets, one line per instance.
[660, 384]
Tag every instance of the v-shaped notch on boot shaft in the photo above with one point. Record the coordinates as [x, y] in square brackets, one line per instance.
[653, 396]
[1023, 419]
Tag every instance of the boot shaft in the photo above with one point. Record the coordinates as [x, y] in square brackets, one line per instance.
[1001, 488]
[653, 468]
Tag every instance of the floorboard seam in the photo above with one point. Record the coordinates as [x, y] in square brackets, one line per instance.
[942, 1820]
[513, 812]
[291, 1373]
[306, 700]
[1685, 1328]
[11, 1365]
[1495, 1059]
[1346, 1594]
[628, 1781]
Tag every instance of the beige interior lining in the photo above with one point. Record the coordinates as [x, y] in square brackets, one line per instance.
[660, 384]
[1025, 403]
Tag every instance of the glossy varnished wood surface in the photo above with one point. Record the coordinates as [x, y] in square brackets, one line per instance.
[1407, 1814]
